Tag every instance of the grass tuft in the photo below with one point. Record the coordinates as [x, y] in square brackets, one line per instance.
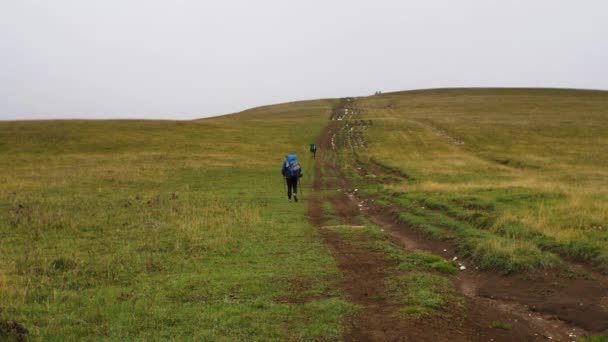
[421, 293]
[506, 255]
[501, 325]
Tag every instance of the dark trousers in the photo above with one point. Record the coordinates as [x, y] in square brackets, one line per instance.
[292, 184]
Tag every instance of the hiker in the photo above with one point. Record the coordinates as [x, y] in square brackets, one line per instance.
[291, 172]
[313, 150]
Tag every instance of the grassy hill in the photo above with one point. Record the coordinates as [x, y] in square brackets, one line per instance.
[152, 230]
[519, 175]
[158, 229]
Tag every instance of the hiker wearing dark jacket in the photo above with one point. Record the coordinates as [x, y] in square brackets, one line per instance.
[292, 172]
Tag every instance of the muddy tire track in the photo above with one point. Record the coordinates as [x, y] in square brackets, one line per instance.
[489, 296]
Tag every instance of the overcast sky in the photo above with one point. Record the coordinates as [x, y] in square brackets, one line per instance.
[182, 59]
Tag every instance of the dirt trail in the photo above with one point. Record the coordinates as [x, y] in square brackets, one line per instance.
[539, 306]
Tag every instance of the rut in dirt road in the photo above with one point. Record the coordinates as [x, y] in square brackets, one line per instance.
[366, 271]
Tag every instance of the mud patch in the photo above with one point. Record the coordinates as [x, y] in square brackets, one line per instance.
[342, 208]
[576, 301]
[12, 331]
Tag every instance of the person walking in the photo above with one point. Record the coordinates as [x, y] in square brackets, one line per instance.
[292, 172]
[313, 150]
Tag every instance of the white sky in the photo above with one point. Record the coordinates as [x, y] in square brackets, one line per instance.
[181, 59]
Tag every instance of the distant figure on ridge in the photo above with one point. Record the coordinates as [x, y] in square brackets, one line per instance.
[292, 171]
[313, 150]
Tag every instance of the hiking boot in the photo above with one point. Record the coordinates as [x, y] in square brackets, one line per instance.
[289, 200]
[295, 197]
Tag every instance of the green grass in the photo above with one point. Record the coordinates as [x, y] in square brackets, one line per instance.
[163, 230]
[329, 215]
[409, 261]
[421, 294]
[501, 325]
[515, 175]
[595, 339]
[418, 284]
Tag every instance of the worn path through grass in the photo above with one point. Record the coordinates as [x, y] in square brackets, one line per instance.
[502, 297]
[403, 293]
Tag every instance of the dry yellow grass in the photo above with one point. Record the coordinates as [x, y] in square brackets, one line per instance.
[537, 155]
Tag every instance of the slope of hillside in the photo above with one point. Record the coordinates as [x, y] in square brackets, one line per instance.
[508, 185]
[527, 167]
[447, 214]
[154, 230]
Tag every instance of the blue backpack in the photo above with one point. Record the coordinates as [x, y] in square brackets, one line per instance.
[294, 170]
